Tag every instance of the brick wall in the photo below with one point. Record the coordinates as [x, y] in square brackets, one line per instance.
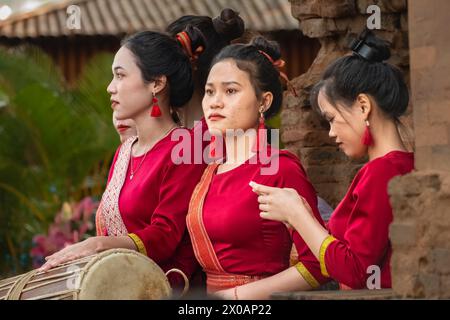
[420, 232]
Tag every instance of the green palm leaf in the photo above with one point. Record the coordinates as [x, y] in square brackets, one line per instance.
[55, 145]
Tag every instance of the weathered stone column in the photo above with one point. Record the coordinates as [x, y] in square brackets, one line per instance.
[420, 233]
[303, 131]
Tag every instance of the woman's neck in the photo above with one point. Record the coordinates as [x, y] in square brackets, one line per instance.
[386, 139]
[150, 130]
[239, 147]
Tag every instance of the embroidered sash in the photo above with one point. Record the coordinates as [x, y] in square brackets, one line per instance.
[217, 277]
[108, 219]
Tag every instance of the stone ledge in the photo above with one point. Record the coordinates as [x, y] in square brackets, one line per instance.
[382, 294]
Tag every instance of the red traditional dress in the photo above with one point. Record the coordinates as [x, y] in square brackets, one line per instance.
[359, 226]
[232, 243]
[151, 206]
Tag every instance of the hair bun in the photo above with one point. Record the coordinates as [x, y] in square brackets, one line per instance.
[229, 24]
[272, 48]
[196, 36]
[370, 47]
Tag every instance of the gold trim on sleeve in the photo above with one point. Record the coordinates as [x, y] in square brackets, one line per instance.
[138, 242]
[323, 248]
[307, 275]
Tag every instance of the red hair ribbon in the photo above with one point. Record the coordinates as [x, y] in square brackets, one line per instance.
[280, 64]
[185, 41]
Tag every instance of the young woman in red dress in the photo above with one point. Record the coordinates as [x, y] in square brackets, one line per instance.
[362, 98]
[233, 244]
[144, 205]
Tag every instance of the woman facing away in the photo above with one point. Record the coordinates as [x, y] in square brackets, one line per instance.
[232, 243]
[362, 97]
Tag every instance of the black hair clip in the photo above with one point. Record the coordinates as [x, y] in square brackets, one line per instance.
[360, 48]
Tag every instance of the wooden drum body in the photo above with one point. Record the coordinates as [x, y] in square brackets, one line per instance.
[111, 275]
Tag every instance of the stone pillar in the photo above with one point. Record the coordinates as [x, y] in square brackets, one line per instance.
[303, 131]
[420, 233]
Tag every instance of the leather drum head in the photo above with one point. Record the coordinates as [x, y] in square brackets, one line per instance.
[122, 274]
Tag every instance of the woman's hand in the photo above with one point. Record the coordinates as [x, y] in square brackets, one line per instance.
[227, 294]
[280, 204]
[288, 206]
[75, 251]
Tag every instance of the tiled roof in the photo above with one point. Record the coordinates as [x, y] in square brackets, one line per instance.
[115, 17]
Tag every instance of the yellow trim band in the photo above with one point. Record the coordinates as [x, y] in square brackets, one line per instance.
[323, 248]
[307, 275]
[138, 242]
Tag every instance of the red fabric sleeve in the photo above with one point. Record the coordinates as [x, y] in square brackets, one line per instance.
[366, 238]
[168, 222]
[292, 175]
[184, 257]
[185, 260]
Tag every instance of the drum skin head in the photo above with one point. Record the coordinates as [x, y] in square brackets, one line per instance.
[122, 274]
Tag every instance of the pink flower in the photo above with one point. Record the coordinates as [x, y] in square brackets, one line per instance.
[73, 223]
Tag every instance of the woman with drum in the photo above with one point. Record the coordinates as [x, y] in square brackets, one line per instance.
[146, 200]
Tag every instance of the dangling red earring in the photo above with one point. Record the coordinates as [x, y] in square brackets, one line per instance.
[212, 147]
[261, 137]
[367, 139]
[156, 111]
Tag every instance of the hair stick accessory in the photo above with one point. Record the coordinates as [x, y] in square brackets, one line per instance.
[362, 49]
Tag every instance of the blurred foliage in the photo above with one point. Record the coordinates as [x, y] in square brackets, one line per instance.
[55, 145]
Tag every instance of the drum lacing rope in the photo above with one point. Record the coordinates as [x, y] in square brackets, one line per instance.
[16, 290]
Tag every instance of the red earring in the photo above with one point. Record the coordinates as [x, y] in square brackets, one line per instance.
[212, 147]
[367, 139]
[156, 111]
[261, 137]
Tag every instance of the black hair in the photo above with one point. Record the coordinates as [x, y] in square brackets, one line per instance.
[264, 76]
[365, 71]
[159, 54]
[212, 34]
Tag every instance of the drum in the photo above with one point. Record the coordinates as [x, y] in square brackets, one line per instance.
[114, 274]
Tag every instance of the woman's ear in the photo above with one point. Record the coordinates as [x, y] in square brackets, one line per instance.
[365, 104]
[159, 84]
[266, 101]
